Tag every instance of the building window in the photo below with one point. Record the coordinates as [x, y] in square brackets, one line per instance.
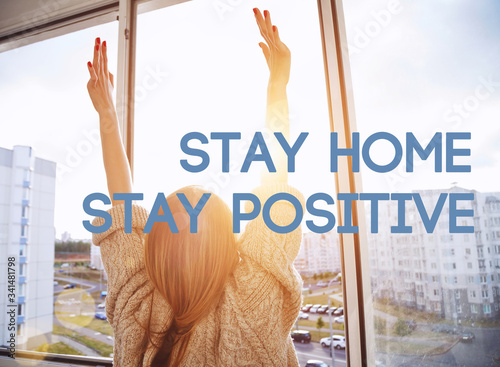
[457, 294]
[473, 308]
[487, 309]
[485, 293]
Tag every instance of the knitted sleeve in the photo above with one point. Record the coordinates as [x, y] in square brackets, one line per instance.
[128, 284]
[274, 251]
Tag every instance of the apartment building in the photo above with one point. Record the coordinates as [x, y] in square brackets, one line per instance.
[319, 253]
[27, 198]
[454, 275]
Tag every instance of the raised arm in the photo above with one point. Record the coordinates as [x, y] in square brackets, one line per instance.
[278, 60]
[100, 88]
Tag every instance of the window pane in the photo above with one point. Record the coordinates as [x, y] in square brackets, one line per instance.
[428, 67]
[50, 159]
[212, 77]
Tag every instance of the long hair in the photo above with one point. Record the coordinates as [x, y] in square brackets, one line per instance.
[189, 269]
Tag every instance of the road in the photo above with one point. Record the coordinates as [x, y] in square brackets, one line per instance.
[316, 351]
[478, 353]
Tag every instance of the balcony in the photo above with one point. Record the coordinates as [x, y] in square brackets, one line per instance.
[20, 319]
[21, 299]
[22, 260]
[23, 240]
[26, 202]
[24, 221]
[26, 184]
[22, 279]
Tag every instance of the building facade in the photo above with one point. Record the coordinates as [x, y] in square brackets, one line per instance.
[27, 233]
[453, 275]
[319, 253]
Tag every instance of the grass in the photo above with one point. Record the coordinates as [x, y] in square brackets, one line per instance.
[311, 323]
[57, 348]
[89, 322]
[92, 275]
[102, 348]
[409, 348]
[406, 313]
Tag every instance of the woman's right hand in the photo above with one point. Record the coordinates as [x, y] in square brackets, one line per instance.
[275, 51]
[100, 86]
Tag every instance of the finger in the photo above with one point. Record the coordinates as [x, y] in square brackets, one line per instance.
[104, 52]
[262, 26]
[269, 26]
[277, 39]
[111, 79]
[266, 52]
[93, 76]
[95, 62]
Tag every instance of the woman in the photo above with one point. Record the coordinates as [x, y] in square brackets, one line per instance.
[206, 298]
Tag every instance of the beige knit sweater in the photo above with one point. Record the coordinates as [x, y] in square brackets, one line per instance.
[251, 324]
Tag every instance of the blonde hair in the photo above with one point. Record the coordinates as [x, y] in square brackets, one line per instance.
[189, 269]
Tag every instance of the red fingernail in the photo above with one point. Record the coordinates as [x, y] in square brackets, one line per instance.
[255, 10]
[266, 13]
[104, 44]
[89, 64]
[97, 47]
[274, 28]
[98, 40]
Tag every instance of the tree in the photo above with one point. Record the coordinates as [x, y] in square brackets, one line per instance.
[401, 328]
[319, 325]
[380, 325]
[315, 276]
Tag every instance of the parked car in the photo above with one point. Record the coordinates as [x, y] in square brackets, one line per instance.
[412, 325]
[303, 316]
[448, 329]
[306, 308]
[302, 336]
[339, 311]
[56, 283]
[314, 308]
[322, 284]
[467, 336]
[101, 305]
[69, 286]
[322, 309]
[339, 320]
[331, 310]
[100, 316]
[338, 342]
[316, 363]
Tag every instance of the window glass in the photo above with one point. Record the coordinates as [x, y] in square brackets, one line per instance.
[212, 77]
[50, 159]
[425, 68]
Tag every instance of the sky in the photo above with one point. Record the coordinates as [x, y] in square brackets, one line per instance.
[199, 68]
